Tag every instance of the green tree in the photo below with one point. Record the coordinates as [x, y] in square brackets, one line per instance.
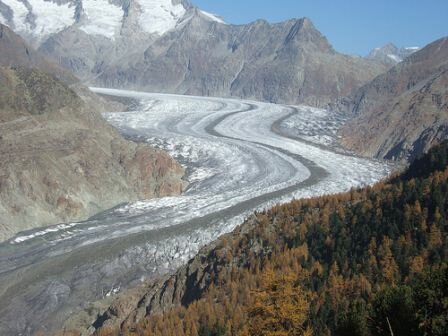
[354, 321]
[431, 298]
[394, 308]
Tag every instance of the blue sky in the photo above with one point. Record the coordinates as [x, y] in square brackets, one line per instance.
[352, 26]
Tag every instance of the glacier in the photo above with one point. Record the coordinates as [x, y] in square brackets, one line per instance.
[240, 156]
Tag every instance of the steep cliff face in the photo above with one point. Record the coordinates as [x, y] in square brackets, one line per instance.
[402, 113]
[14, 51]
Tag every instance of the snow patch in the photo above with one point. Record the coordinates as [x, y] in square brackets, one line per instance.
[52, 229]
[19, 15]
[102, 18]
[200, 174]
[159, 16]
[3, 20]
[51, 18]
[213, 17]
[395, 58]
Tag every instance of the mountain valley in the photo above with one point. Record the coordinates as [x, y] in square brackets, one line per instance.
[167, 172]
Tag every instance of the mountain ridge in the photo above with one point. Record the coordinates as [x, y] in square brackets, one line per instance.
[402, 113]
[281, 62]
[287, 62]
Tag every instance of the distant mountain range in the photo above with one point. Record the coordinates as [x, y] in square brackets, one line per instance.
[390, 54]
[171, 46]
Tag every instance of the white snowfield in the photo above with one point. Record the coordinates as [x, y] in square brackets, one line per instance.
[237, 159]
[50, 17]
[101, 18]
[39, 19]
[159, 16]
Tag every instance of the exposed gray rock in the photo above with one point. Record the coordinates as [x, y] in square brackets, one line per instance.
[402, 113]
[186, 50]
[289, 62]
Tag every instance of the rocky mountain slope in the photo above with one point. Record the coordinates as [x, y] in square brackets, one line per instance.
[390, 54]
[170, 46]
[60, 161]
[289, 62]
[15, 51]
[402, 113]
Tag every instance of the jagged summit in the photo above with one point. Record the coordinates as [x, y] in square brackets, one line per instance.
[172, 46]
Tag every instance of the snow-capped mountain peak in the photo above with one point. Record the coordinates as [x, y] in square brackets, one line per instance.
[390, 54]
[37, 20]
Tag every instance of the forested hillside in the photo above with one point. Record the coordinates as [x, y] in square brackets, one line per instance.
[368, 262]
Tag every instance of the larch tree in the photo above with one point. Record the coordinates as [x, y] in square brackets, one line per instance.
[280, 307]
